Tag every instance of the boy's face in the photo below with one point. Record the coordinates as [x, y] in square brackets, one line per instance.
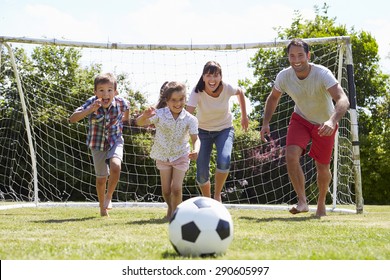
[106, 93]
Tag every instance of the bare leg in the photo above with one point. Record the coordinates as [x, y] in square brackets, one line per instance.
[166, 181]
[324, 177]
[296, 176]
[220, 179]
[206, 189]
[176, 189]
[115, 170]
[101, 189]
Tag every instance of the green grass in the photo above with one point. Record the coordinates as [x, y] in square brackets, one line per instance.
[65, 233]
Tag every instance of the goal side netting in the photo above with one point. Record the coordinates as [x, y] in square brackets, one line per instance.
[44, 158]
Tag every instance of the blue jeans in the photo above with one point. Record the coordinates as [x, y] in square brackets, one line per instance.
[223, 141]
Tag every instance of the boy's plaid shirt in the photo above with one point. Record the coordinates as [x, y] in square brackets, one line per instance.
[105, 125]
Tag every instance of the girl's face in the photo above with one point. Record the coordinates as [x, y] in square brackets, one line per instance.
[106, 93]
[177, 102]
[212, 81]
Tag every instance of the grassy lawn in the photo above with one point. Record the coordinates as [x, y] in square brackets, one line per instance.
[66, 233]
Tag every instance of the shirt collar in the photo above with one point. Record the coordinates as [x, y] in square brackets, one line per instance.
[168, 114]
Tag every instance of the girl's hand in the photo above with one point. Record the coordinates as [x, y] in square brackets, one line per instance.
[150, 112]
[193, 155]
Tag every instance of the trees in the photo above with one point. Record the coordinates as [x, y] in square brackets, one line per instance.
[372, 88]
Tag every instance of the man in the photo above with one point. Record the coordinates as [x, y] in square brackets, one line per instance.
[313, 89]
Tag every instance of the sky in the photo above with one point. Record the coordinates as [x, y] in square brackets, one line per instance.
[183, 21]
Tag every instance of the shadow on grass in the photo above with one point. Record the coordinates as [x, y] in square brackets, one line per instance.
[174, 255]
[284, 219]
[149, 221]
[170, 255]
[58, 221]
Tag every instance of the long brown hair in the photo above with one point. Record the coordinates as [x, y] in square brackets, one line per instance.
[211, 67]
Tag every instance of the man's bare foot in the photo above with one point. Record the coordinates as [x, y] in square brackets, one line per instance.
[299, 209]
[321, 211]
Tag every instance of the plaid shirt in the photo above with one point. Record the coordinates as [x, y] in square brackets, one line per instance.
[105, 125]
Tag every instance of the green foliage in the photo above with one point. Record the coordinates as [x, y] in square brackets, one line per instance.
[265, 64]
[376, 153]
[321, 26]
[136, 99]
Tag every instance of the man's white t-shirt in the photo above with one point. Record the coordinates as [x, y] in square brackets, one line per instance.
[312, 100]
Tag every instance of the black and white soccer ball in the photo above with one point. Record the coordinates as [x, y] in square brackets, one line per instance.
[201, 226]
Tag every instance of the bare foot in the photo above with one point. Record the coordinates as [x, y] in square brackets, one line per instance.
[107, 202]
[321, 211]
[218, 198]
[303, 208]
[104, 213]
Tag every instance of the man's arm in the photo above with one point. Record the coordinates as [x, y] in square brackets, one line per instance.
[341, 107]
[270, 107]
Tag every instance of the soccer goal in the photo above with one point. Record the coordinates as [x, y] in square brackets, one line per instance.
[44, 159]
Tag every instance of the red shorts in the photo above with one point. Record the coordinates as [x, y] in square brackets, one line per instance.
[300, 132]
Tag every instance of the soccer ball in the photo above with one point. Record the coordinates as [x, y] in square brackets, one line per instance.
[199, 227]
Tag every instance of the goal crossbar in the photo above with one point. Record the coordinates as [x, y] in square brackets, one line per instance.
[122, 46]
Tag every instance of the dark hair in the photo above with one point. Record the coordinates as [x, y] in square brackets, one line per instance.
[166, 91]
[298, 43]
[211, 67]
[104, 78]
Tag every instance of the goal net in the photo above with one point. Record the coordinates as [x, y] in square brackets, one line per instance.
[43, 158]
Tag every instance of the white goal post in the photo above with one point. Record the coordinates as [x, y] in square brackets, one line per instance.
[44, 159]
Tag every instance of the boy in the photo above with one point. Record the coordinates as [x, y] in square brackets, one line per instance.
[106, 113]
